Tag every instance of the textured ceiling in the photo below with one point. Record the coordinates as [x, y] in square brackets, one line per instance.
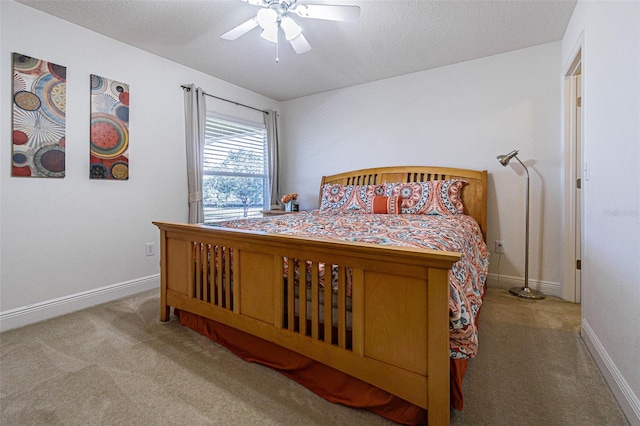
[391, 38]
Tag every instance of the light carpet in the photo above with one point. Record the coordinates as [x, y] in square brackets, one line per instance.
[118, 364]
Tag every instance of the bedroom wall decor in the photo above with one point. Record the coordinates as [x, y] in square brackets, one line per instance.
[39, 117]
[109, 156]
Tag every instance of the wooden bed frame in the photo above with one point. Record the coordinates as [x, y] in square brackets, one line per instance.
[393, 288]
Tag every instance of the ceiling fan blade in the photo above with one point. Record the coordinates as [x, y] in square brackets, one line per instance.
[300, 44]
[241, 29]
[328, 12]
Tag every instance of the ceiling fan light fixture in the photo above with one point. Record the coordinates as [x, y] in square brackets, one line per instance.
[274, 14]
[290, 27]
[267, 18]
[270, 33]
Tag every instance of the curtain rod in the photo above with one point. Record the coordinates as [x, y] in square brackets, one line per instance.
[187, 88]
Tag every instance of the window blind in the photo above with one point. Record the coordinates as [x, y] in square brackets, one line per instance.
[235, 173]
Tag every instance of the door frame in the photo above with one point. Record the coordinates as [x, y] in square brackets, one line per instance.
[573, 170]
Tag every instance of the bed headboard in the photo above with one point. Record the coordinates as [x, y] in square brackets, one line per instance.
[474, 194]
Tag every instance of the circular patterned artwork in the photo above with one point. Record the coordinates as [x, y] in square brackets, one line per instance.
[26, 64]
[109, 136]
[27, 101]
[38, 128]
[122, 112]
[21, 156]
[124, 98]
[109, 129]
[39, 117]
[120, 170]
[98, 171]
[103, 103]
[50, 161]
[52, 93]
[117, 88]
[20, 159]
[98, 85]
[58, 71]
[21, 171]
[20, 138]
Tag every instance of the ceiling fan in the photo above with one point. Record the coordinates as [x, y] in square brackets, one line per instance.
[274, 15]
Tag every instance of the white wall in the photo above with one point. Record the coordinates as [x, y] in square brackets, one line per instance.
[462, 115]
[611, 242]
[66, 243]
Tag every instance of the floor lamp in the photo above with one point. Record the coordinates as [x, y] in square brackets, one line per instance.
[525, 291]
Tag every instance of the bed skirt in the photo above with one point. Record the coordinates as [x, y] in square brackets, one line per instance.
[329, 383]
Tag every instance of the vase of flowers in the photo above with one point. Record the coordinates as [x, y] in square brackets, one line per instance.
[289, 201]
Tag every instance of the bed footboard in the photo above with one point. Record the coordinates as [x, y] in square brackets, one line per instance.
[398, 339]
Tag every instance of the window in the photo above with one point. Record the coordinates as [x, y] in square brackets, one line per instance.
[235, 181]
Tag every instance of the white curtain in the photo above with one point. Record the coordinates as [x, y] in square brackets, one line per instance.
[271, 124]
[195, 112]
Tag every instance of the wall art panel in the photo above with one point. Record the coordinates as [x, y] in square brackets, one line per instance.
[109, 152]
[39, 117]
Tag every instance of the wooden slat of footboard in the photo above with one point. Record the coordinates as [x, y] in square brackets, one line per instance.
[218, 268]
[291, 297]
[328, 305]
[314, 298]
[302, 297]
[197, 247]
[191, 268]
[278, 297]
[342, 308]
[206, 279]
[227, 281]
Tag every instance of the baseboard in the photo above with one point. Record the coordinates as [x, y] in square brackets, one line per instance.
[30, 314]
[506, 281]
[623, 393]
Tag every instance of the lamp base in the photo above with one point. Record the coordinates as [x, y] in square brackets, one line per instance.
[526, 293]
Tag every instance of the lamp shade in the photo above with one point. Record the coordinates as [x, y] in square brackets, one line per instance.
[504, 159]
[290, 28]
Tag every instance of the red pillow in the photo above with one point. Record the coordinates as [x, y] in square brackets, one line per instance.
[385, 205]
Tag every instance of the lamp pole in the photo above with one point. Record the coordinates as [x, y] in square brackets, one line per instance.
[525, 291]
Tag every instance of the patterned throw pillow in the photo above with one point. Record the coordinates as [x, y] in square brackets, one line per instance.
[384, 205]
[337, 198]
[433, 197]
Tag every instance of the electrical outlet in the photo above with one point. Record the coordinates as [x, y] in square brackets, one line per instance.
[499, 248]
[151, 249]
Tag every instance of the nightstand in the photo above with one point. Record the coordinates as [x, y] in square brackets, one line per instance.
[266, 213]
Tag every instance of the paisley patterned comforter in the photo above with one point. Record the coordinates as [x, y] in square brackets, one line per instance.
[457, 233]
